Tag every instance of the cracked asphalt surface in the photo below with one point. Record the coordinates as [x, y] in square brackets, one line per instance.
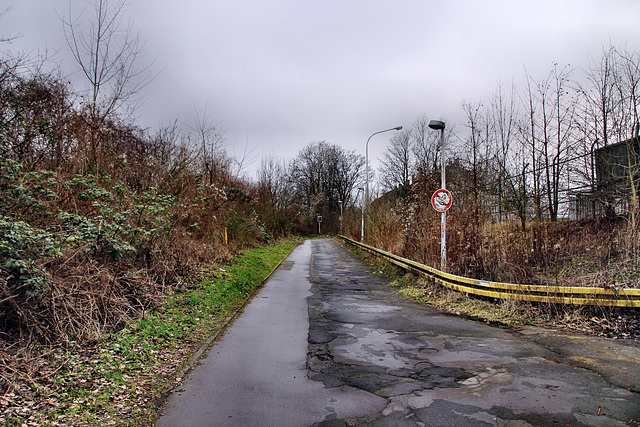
[358, 354]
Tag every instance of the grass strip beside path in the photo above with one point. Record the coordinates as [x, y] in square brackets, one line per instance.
[122, 380]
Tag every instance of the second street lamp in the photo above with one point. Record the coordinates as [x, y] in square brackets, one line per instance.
[366, 197]
[362, 213]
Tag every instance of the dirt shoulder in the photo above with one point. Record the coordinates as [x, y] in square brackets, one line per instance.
[616, 360]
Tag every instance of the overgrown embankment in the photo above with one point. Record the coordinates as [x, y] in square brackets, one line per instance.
[84, 255]
[121, 380]
[101, 224]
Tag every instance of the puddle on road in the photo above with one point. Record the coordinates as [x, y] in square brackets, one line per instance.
[456, 351]
[370, 307]
[372, 346]
[487, 378]
[392, 350]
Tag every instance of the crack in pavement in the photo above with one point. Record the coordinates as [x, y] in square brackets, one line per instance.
[434, 369]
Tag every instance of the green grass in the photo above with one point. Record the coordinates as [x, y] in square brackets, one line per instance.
[122, 379]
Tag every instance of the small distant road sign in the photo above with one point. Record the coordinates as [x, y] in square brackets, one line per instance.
[340, 218]
[441, 200]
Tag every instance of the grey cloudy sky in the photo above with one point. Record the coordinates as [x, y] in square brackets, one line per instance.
[279, 74]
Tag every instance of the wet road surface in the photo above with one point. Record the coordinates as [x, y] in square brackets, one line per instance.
[327, 342]
[256, 374]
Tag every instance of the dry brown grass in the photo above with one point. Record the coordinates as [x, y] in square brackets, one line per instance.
[566, 253]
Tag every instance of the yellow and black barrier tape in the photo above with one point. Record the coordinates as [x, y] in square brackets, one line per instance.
[612, 297]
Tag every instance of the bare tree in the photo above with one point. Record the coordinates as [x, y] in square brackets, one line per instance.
[397, 165]
[627, 86]
[107, 52]
[598, 96]
[34, 110]
[518, 195]
[475, 147]
[4, 38]
[244, 159]
[503, 127]
[323, 174]
[426, 145]
[530, 133]
[595, 119]
[209, 142]
[10, 77]
[276, 207]
[564, 117]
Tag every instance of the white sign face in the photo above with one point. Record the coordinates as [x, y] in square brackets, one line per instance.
[441, 200]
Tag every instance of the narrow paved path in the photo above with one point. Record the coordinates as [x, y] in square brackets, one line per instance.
[256, 375]
[328, 342]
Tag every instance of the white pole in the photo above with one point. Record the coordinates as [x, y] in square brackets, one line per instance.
[438, 125]
[443, 218]
[366, 192]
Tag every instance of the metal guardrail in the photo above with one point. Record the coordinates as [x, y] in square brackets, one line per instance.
[612, 297]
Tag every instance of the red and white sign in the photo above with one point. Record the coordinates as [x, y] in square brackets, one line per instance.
[441, 200]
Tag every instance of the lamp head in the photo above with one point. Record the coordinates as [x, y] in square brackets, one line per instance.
[436, 124]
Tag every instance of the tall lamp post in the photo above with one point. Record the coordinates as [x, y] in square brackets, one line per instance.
[438, 125]
[366, 198]
[362, 214]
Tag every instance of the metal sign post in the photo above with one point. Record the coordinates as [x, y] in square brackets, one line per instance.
[319, 222]
[441, 202]
[443, 193]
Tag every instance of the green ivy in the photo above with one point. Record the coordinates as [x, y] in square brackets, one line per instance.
[20, 190]
[23, 250]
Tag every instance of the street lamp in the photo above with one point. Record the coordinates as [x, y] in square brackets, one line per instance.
[362, 214]
[438, 125]
[366, 201]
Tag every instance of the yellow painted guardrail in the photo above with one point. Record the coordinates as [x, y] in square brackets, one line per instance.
[623, 297]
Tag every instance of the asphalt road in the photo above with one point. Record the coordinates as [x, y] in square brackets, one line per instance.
[328, 342]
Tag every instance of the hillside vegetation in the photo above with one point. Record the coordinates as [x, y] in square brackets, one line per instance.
[106, 227]
[118, 253]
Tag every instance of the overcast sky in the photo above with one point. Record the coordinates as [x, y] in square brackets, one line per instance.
[279, 74]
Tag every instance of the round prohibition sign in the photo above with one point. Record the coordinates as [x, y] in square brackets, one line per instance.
[441, 200]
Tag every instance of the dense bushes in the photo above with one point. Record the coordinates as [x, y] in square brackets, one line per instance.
[99, 221]
[77, 256]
